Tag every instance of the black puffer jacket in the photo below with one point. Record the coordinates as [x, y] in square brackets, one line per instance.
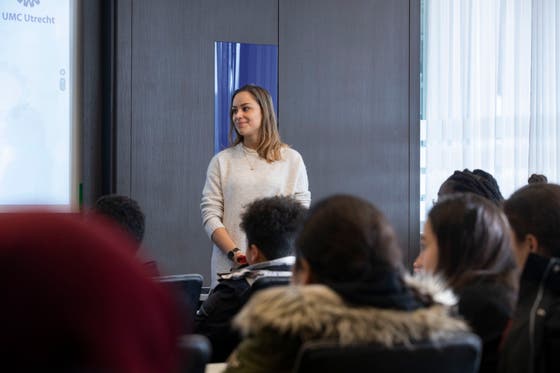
[213, 319]
[533, 342]
[488, 308]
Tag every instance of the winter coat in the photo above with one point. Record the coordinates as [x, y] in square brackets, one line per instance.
[487, 307]
[532, 344]
[213, 319]
[276, 322]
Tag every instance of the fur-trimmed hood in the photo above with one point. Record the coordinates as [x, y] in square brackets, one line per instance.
[316, 312]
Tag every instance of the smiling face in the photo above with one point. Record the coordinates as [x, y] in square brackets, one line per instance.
[247, 117]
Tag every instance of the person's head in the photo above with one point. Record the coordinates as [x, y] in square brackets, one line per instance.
[125, 212]
[467, 238]
[253, 121]
[534, 215]
[345, 240]
[76, 299]
[478, 182]
[537, 178]
[271, 225]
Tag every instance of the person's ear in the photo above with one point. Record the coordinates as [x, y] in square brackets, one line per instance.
[532, 243]
[253, 254]
[302, 274]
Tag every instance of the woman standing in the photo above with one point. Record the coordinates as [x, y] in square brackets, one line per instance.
[257, 165]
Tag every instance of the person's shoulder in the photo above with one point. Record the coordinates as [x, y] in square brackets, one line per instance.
[486, 298]
[235, 286]
[290, 153]
[227, 295]
[227, 152]
[286, 308]
[224, 155]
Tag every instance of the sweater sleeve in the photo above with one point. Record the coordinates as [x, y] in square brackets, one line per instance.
[212, 203]
[302, 193]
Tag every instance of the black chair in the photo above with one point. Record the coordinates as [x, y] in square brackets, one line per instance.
[187, 289]
[195, 353]
[457, 355]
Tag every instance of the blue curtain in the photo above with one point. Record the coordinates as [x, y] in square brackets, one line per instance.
[237, 64]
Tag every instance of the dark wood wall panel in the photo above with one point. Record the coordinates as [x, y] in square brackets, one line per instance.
[168, 119]
[91, 99]
[123, 84]
[414, 134]
[344, 99]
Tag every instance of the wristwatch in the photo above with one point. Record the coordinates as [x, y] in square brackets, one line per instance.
[231, 253]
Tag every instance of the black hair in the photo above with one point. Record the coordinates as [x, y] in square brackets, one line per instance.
[478, 182]
[347, 239]
[537, 178]
[272, 223]
[535, 209]
[474, 242]
[125, 212]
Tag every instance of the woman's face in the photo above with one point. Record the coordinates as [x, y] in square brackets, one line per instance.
[246, 116]
[430, 254]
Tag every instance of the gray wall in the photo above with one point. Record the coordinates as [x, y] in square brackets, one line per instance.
[165, 112]
[347, 88]
[91, 98]
[344, 101]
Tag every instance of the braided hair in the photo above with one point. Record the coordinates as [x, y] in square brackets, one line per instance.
[537, 178]
[478, 182]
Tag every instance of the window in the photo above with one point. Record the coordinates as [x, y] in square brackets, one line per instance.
[490, 86]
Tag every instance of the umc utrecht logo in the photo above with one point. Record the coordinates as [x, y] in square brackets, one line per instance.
[30, 3]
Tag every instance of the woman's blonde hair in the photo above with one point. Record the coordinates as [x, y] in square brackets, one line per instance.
[269, 144]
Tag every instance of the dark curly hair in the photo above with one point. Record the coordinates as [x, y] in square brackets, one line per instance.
[478, 182]
[272, 223]
[124, 211]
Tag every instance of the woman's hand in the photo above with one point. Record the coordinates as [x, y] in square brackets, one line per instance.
[239, 258]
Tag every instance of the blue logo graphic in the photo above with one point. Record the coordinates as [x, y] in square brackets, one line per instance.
[30, 3]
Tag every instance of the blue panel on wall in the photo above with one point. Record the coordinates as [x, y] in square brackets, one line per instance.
[237, 64]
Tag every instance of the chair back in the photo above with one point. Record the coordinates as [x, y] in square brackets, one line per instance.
[459, 354]
[195, 353]
[187, 289]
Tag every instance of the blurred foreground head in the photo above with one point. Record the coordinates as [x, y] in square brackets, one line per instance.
[74, 298]
[347, 244]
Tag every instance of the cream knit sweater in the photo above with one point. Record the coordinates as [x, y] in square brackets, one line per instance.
[236, 177]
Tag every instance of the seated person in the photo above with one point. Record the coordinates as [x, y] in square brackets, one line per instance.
[477, 182]
[129, 216]
[468, 242]
[533, 341]
[349, 288]
[74, 299]
[270, 225]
